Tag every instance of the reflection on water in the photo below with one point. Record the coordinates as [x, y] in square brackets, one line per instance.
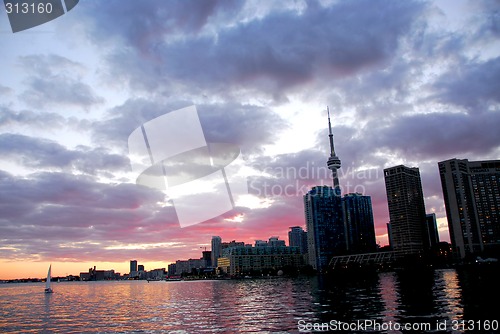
[448, 295]
[389, 296]
[260, 305]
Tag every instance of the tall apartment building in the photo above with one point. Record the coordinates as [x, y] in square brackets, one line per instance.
[133, 268]
[359, 225]
[431, 230]
[216, 250]
[471, 191]
[325, 226]
[297, 237]
[406, 208]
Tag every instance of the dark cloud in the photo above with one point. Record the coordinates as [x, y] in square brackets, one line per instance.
[5, 90]
[437, 135]
[245, 125]
[55, 80]
[265, 56]
[140, 25]
[473, 85]
[60, 90]
[488, 28]
[9, 117]
[42, 153]
[68, 209]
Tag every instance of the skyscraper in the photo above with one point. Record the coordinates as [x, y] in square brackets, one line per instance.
[471, 191]
[297, 237]
[406, 208]
[133, 265]
[389, 235]
[325, 226]
[133, 268]
[431, 231]
[216, 249]
[207, 258]
[358, 219]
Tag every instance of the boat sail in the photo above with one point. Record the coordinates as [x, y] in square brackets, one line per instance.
[48, 289]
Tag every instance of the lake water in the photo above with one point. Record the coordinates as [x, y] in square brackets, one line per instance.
[454, 300]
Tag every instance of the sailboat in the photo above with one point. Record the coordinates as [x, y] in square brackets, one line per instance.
[48, 289]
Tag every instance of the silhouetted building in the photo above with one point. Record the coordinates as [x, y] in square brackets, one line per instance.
[260, 243]
[275, 242]
[133, 268]
[207, 257]
[325, 226]
[191, 266]
[297, 237]
[406, 208]
[359, 225]
[471, 191]
[233, 243]
[431, 231]
[99, 275]
[157, 274]
[133, 265]
[216, 249]
[389, 235]
[172, 269]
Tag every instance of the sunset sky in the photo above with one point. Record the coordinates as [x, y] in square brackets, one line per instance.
[406, 82]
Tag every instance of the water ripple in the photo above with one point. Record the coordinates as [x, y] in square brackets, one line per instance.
[246, 306]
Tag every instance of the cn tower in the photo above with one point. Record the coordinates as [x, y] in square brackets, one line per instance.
[333, 162]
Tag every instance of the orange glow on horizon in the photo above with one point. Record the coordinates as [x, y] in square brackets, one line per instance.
[21, 269]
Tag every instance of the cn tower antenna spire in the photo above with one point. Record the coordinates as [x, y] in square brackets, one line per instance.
[333, 162]
[332, 148]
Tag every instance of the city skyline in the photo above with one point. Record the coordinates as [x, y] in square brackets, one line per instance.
[413, 83]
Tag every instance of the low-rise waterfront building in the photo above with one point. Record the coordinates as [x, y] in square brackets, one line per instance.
[240, 261]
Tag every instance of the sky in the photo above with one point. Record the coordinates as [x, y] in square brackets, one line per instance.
[406, 82]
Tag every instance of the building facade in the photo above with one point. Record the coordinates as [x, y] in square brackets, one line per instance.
[325, 226]
[406, 208]
[244, 260]
[275, 242]
[207, 257]
[216, 249]
[133, 268]
[172, 269]
[189, 266]
[431, 230]
[471, 191]
[297, 237]
[359, 224]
